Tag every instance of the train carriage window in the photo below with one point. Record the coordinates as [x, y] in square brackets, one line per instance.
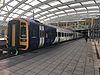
[46, 35]
[42, 33]
[23, 29]
[59, 34]
[65, 34]
[62, 34]
[69, 34]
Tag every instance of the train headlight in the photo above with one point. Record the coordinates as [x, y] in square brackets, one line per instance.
[23, 40]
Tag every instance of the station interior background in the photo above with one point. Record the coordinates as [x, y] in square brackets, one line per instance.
[79, 15]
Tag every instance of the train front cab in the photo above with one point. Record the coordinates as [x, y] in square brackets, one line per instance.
[17, 39]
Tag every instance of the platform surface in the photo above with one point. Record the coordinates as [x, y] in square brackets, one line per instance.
[70, 58]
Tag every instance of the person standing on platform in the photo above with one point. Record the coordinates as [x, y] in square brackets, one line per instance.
[86, 37]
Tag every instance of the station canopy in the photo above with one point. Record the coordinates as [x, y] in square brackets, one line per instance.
[45, 10]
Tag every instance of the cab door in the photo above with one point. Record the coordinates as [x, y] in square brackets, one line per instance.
[13, 34]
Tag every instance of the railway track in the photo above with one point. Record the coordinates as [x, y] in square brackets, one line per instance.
[4, 53]
[3, 50]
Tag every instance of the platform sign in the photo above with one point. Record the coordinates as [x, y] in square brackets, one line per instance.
[1, 2]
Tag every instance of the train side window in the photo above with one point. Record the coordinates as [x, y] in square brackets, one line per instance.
[68, 34]
[23, 29]
[59, 34]
[65, 34]
[62, 34]
[34, 33]
[42, 33]
[46, 35]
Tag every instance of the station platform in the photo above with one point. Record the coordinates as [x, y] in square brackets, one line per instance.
[69, 58]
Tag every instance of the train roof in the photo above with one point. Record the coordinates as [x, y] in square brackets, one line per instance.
[36, 21]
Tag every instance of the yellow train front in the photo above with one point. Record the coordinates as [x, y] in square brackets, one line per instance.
[27, 35]
[17, 38]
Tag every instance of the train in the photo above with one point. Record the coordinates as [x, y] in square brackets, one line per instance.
[26, 35]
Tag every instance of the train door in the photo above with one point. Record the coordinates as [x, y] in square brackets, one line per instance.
[42, 35]
[50, 35]
[13, 34]
[47, 36]
[34, 35]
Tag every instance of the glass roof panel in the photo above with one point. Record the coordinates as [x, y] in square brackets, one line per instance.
[7, 8]
[53, 17]
[1, 18]
[72, 13]
[26, 7]
[3, 12]
[62, 15]
[53, 3]
[35, 2]
[36, 15]
[28, 14]
[8, 19]
[24, 16]
[70, 10]
[83, 8]
[88, 2]
[19, 11]
[94, 11]
[42, 0]
[66, 1]
[1, 3]
[93, 7]
[60, 12]
[76, 4]
[44, 6]
[53, 9]
[36, 10]
[15, 16]
[28, 1]
[13, 3]
[19, 0]
[11, 15]
[62, 7]
[82, 12]
[7, 1]
[46, 19]
[21, 6]
[15, 10]
[49, 15]
[42, 17]
[44, 12]
[98, 1]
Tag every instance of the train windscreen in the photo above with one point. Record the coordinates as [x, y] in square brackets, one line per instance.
[23, 30]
